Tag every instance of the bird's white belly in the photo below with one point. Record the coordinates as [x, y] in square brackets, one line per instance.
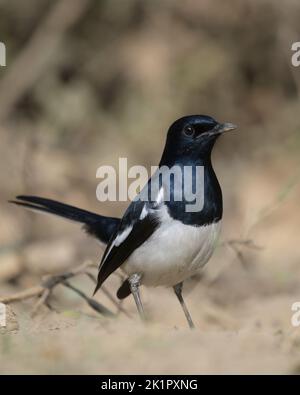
[173, 253]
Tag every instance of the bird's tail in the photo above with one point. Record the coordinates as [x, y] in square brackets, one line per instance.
[96, 225]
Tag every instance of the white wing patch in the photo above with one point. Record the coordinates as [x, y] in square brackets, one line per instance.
[122, 236]
[160, 196]
[144, 213]
[117, 241]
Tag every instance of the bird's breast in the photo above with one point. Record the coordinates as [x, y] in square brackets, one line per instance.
[174, 252]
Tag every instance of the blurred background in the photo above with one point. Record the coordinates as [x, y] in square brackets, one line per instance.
[90, 81]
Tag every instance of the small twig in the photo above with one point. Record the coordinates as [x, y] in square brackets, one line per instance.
[109, 296]
[91, 302]
[42, 300]
[52, 281]
[44, 290]
[23, 295]
[236, 244]
[239, 255]
[266, 211]
[245, 243]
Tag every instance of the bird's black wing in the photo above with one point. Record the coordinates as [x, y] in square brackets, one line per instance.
[139, 222]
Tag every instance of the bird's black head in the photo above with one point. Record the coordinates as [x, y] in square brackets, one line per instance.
[192, 138]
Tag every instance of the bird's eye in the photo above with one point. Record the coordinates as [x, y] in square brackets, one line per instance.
[189, 131]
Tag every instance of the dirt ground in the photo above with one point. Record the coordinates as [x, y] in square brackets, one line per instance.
[256, 337]
[241, 308]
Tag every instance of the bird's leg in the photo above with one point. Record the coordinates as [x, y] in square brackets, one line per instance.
[178, 291]
[134, 281]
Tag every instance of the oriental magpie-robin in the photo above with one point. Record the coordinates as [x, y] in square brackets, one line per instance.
[158, 241]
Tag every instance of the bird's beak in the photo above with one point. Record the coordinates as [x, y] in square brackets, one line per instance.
[224, 127]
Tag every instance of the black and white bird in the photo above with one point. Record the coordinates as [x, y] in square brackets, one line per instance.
[158, 242]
